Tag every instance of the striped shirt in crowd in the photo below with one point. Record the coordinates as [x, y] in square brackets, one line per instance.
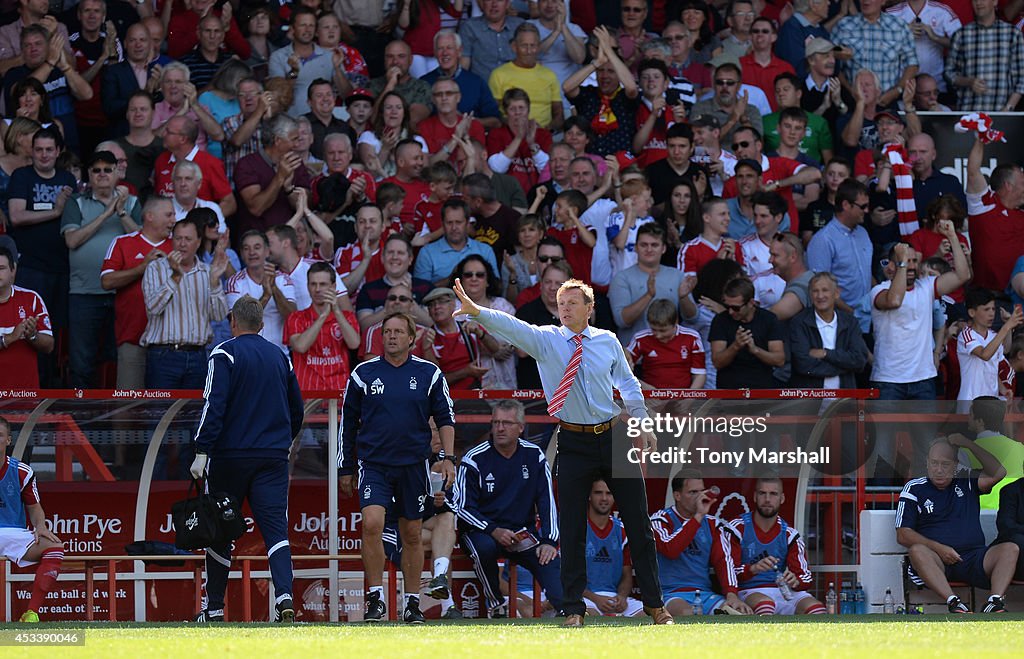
[181, 313]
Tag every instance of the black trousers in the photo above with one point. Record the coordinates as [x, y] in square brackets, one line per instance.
[582, 459]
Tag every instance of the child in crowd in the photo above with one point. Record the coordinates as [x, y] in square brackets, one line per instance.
[441, 177]
[671, 356]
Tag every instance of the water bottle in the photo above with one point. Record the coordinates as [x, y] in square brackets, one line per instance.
[859, 598]
[888, 604]
[830, 599]
[698, 604]
[844, 598]
[784, 589]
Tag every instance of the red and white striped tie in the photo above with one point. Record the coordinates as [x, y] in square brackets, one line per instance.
[562, 392]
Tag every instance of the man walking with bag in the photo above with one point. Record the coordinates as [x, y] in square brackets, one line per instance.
[253, 410]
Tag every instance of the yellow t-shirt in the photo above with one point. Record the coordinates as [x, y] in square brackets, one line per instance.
[540, 83]
[1010, 454]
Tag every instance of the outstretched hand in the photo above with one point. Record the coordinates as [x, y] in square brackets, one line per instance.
[469, 307]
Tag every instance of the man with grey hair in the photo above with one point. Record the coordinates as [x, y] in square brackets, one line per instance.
[476, 95]
[187, 178]
[253, 411]
[938, 520]
[180, 100]
[268, 182]
[537, 80]
[242, 130]
[504, 485]
[180, 144]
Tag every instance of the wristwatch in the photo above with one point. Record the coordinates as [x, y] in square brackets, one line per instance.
[441, 456]
[901, 264]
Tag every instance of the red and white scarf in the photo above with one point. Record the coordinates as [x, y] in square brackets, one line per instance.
[980, 123]
[906, 209]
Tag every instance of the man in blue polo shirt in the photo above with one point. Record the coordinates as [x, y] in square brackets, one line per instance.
[437, 260]
[938, 520]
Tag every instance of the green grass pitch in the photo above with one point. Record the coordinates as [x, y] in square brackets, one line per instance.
[872, 637]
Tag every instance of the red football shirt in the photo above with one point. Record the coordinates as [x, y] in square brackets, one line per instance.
[214, 186]
[669, 365]
[655, 148]
[127, 252]
[997, 237]
[523, 167]
[774, 169]
[437, 135]
[416, 191]
[325, 365]
[427, 213]
[348, 258]
[697, 253]
[19, 362]
[452, 354]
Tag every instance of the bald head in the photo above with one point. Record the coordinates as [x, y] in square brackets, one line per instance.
[921, 149]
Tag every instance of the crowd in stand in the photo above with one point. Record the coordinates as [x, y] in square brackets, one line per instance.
[746, 185]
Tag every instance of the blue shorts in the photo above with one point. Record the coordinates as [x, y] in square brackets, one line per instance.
[709, 600]
[406, 487]
[390, 535]
[970, 569]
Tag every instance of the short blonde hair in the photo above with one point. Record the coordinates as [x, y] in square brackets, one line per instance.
[582, 287]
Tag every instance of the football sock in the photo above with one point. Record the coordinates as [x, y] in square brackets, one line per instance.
[440, 566]
[816, 609]
[46, 576]
[765, 608]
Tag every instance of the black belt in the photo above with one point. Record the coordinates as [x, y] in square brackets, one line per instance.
[183, 347]
[596, 429]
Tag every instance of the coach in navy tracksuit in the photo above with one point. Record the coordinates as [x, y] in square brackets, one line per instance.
[253, 410]
[385, 433]
[503, 486]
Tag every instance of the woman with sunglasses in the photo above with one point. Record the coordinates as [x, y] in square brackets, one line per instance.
[211, 241]
[483, 288]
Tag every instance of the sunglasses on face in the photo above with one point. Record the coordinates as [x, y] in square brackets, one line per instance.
[102, 170]
[863, 207]
[474, 275]
[633, 10]
[764, 31]
[736, 308]
[726, 83]
[549, 259]
[399, 298]
[740, 145]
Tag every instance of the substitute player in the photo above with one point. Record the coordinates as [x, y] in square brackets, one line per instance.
[690, 541]
[768, 546]
[385, 432]
[609, 573]
[19, 503]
